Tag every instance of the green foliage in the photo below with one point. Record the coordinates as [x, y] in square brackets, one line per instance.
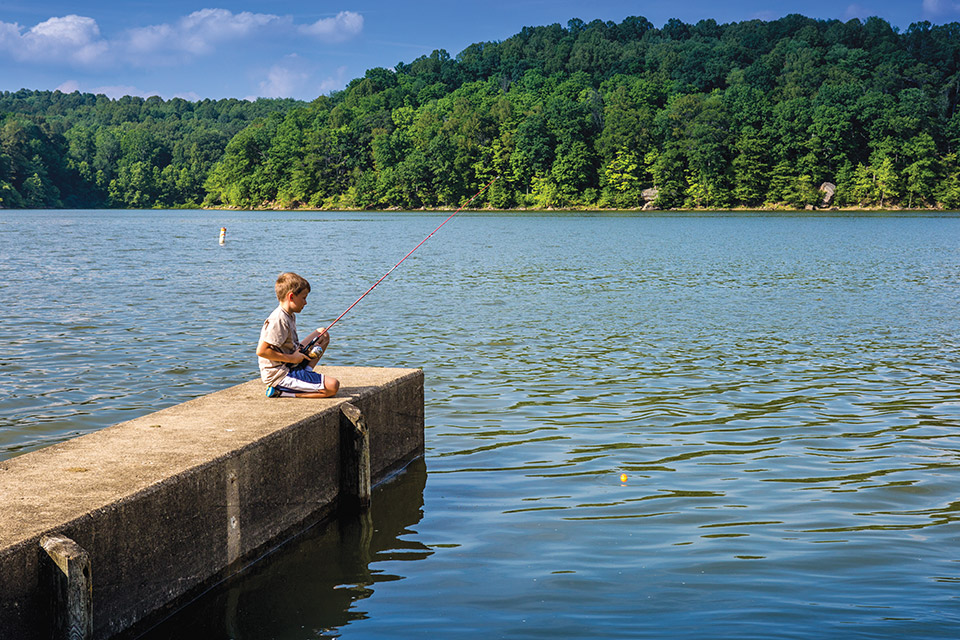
[587, 114]
[668, 170]
[920, 175]
[750, 168]
[621, 180]
[948, 190]
[80, 150]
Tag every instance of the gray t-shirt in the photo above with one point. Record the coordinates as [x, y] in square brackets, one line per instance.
[279, 331]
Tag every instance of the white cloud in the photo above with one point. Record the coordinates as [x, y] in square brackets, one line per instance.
[77, 40]
[118, 91]
[343, 26]
[940, 7]
[9, 34]
[856, 11]
[199, 32]
[68, 87]
[295, 77]
[72, 39]
[148, 39]
[222, 24]
[283, 81]
[334, 83]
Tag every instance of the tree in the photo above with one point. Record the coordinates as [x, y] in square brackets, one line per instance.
[621, 181]
[668, 169]
[750, 168]
[545, 193]
[572, 171]
[920, 175]
[40, 193]
[711, 114]
[782, 179]
[948, 189]
[886, 180]
[236, 179]
[863, 189]
[801, 192]
[533, 150]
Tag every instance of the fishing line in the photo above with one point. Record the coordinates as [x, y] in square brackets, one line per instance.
[392, 269]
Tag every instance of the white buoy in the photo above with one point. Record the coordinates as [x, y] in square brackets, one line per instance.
[223, 235]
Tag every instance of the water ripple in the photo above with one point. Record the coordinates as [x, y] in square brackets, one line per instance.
[742, 423]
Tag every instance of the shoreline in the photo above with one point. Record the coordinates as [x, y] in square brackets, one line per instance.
[447, 209]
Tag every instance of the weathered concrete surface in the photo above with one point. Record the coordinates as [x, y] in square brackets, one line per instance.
[165, 502]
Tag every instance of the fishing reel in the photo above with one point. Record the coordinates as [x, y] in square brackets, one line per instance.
[313, 352]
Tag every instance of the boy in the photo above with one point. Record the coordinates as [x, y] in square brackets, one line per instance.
[278, 351]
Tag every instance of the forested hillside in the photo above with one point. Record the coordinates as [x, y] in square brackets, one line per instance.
[588, 115]
[85, 151]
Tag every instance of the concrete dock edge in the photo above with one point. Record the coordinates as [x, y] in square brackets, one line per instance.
[166, 503]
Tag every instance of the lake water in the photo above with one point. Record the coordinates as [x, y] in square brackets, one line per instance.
[683, 426]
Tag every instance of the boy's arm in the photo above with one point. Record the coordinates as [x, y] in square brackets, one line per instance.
[322, 342]
[268, 351]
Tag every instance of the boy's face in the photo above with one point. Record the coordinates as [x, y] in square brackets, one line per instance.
[297, 301]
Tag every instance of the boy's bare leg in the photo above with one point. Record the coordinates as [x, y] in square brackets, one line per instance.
[330, 387]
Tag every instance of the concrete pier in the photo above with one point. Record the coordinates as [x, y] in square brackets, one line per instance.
[147, 512]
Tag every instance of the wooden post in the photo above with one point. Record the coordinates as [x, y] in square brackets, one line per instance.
[65, 576]
[354, 460]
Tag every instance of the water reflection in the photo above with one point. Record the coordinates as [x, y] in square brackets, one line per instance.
[314, 585]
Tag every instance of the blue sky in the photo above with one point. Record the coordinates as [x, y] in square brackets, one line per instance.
[243, 49]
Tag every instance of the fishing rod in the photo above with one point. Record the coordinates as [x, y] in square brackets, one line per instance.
[315, 336]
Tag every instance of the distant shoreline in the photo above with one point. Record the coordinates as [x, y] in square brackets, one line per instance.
[604, 210]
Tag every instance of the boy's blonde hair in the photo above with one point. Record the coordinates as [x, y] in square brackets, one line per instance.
[290, 283]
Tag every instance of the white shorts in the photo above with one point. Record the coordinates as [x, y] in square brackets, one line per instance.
[301, 381]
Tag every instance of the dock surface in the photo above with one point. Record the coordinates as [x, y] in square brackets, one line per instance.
[167, 502]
